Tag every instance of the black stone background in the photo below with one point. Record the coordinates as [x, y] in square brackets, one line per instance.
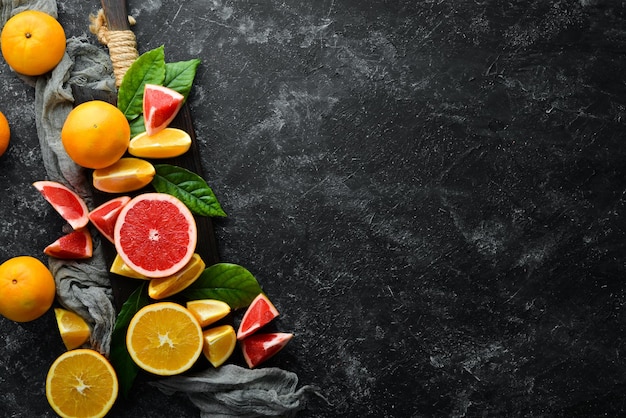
[431, 192]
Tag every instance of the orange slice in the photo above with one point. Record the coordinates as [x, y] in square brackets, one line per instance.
[208, 311]
[120, 267]
[126, 175]
[219, 344]
[73, 328]
[164, 338]
[164, 287]
[167, 143]
[81, 383]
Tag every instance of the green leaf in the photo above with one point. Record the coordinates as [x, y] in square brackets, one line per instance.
[189, 187]
[227, 282]
[123, 364]
[137, 126]
[179, 75]
[148, 68]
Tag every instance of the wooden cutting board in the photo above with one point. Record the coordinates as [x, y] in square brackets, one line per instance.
[115, 10]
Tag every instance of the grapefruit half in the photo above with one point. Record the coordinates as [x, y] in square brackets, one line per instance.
[160, 107]
[73, 246]
[155, 234]
[65, 201]
[258, 348]
[104, 216]
[260, 312]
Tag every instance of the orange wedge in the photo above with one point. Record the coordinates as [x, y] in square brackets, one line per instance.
[73, 328]
[167, 143]
[164, 338]
[208, 311]
[81, 383]
[164, 287]
[120, 267]
[126, 175]
[219, 344]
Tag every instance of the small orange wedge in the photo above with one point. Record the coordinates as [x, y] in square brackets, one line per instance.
[120, 267]
[167, 143]
[73, 328]
[208, 311]
[219, 344]
[126, 175]
[164, 287]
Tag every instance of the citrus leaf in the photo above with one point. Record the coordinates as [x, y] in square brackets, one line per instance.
[123, 364]
[148, 68]
[230, 283]
[137, 126]
[189, 187]
[179, 75]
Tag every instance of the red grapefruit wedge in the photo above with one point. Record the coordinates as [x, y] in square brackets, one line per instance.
[160, 106]
[73, 246]
[65, 201]
[155, 234]
[260, 312]
[104, 216]
[258, 348]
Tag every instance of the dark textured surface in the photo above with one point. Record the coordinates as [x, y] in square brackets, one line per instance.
[431, 192]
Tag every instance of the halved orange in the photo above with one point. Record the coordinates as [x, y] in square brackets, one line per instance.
[126, 175]
[72, 327]
[164, 287]
[208, 311]
[167, 143]
[219, 344]
[81, 383]
[164, 338]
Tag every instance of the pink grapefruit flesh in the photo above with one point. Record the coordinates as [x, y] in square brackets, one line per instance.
[258, 348]
[104, 216]
[155, 234]
[65, 201]
[75, 245]
[160, 106]
[260, 312]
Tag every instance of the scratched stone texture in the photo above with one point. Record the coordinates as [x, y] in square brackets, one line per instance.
[431, 192]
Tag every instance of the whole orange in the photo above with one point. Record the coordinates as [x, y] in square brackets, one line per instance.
[27, 289]
[5, 134]
[95, 134]
[32, 42]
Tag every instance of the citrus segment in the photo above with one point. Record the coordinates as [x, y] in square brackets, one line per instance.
[260, 312]
[167, 143]
[32, 42]
[160, 106]
[65, 201]
[95, 134]
[73, 246]
[73, 328]
[155, 234]
[258, 348]
[219, 344]
[5, 134]
[27, 289]
[208, 311]
[126, 175]
[164, 338]
[104, 216]
[119, 267]
[81, 383]
[164, 287]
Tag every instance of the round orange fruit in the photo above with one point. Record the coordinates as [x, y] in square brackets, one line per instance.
[27, 289]
[5, 134]
[33, 42]
[95, 134]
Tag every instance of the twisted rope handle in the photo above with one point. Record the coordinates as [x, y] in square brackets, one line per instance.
[122, 44]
